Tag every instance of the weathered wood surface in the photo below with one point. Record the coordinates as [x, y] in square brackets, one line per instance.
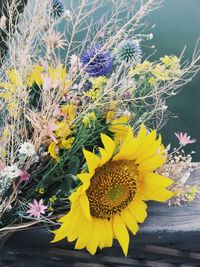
[19, 7]
[169, 237]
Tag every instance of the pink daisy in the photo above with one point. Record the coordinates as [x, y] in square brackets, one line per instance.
[36, 208]
[184, 139]
[24, 176]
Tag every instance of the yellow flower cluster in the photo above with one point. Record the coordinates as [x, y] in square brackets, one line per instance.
[63, 131]
[97, 84]
[168, 68]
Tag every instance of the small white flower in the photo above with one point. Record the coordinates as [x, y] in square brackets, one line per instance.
[27, 149]
[11, 172]
[68, 14]
[3, 23]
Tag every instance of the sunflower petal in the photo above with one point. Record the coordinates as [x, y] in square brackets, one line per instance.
[94, 238]
[92, 160]
[138, 210]
[85, 206]
[152, 163]
[109, 146]
[108, 233]
[153, 187]
[128, 146]
[84, 235]
[129, 221]
[121, 233]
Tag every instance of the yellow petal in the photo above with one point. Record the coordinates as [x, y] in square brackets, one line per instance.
[92, 160]
[84, 177]
[128, 146]
[84, 236]
[152, 163]
[109, 146]
[121, 233]
[53, 151]
[130, 221]
[138, 210]
[108, 233]
[148, 152]
[95, 237]
[102, 230]
[154, 188]
[85, 205]
[157, 180]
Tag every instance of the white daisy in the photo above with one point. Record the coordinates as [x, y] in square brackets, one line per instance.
[27, 149]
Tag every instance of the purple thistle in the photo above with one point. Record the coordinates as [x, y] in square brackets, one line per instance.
[97, 61]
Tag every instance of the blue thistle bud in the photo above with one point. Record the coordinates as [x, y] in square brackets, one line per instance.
[57, 8]
[129, 51]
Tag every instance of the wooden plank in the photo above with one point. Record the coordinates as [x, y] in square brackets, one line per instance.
[170, 235]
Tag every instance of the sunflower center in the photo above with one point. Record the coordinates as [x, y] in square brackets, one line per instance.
[112, 188]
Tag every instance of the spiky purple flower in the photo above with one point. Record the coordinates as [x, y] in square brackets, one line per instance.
[97, 61]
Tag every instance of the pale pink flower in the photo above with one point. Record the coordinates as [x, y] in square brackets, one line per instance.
[184, 139]
[36, 208]
[74, 60]
[51, 127]
[24, 176]
[48, 84]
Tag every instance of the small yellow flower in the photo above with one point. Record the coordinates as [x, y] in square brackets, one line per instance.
[160, 73]
[35, 76]
[89, 118]
[117, 126]
[94, 94]
[52, 199]
[152, 81]
[171, 61]
[67, 144]
[99, 82]
[141, 68]
[41, 190]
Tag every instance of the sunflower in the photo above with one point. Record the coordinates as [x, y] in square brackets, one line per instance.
[111, 199]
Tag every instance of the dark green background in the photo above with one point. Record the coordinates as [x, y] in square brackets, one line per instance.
[177, 25]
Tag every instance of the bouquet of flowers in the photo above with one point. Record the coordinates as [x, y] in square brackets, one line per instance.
[81, 110]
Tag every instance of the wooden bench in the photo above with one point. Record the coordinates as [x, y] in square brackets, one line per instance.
[169, 237]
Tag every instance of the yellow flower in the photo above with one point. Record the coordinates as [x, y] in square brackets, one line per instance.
[117, 126]
[52, 199]
[98, 82]
[61, 144]
[69, 111]
[88, 118]
[160, 72]
[41, 190]
[67, 144]
[60, 74]
[171, 61]
[94, 94]
[141, 68]
[110, 200]
[35, 76]
[53, 151]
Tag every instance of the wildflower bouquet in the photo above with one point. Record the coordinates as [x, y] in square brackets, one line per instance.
[81, 107]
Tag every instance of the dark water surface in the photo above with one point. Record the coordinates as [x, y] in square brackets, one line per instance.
[177, 25]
